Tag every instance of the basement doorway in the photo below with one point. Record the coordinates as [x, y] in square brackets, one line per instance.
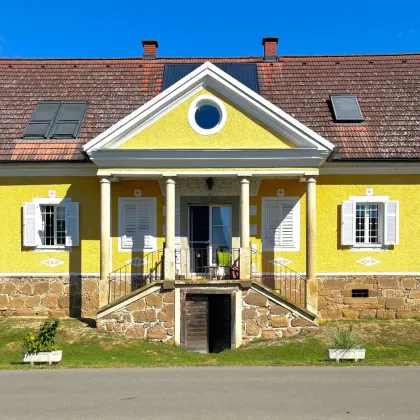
[208, 323]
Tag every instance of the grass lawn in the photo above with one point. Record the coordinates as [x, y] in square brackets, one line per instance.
[387, 342]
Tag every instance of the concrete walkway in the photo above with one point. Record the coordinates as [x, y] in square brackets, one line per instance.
[212, 393]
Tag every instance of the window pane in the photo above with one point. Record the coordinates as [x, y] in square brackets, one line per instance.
[207, 116]
[61, 225]
[373, 224]
[221, 236]
[37, 130]
[360, 223]
[47, 234]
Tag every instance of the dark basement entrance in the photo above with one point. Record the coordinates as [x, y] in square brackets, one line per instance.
[208, 323]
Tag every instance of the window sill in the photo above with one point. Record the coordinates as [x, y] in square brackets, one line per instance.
[144, 251]
[369, 248]
[266, 249]
[53, 249]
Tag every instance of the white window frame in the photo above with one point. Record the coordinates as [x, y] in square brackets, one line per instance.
[56, 202]
[207, 100]
[366, 200]
[153, 223]
[296, 223]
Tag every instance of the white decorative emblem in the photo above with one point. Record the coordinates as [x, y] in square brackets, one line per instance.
[137, 193]
[280, 192]
[137, 262]
[52, 262]
[369, 192]
[280, 261]
[52, 193]
[368, 261]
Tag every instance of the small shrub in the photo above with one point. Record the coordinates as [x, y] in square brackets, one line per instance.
[44, 340]
[344, 338]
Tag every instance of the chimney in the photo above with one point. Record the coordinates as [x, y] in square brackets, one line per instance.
[270, 48]
[149, 49]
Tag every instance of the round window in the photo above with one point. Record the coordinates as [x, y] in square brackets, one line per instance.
[207, 115]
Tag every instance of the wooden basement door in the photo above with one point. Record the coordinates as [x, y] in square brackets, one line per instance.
[208, 323]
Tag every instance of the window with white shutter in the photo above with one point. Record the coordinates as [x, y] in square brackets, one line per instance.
[137, 224]
[281, 224]
[369, 222]
[51, 223]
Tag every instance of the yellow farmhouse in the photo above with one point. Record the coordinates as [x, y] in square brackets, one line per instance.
[209, 202]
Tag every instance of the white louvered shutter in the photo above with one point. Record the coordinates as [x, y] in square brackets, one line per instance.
[130, 238]
[273, 228]
[391, 222]
[288, 233]
[144, 225]
[72, 224]
[29, 224]
[348, 223]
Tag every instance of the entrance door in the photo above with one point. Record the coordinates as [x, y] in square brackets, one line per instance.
[210, 232]
[208, 323]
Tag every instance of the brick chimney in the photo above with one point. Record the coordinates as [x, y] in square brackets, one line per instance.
[270, 48]
[149, 48]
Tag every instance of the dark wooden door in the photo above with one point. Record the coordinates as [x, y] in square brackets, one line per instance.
[220, 323]
[196, 323]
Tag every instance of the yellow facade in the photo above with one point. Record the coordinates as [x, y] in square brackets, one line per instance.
[241, 131]
[331, 191]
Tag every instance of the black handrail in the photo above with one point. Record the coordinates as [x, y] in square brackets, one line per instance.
[136, 274]
[289, 283]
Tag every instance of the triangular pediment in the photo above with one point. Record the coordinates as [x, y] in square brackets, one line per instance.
[173, 130]
[251, 122]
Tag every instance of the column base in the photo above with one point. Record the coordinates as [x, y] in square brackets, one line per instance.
[245, 263]
[169, 270]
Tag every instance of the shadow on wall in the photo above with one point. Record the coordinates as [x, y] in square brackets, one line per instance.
[75, 293]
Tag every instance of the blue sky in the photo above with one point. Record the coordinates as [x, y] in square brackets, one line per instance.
[92, 28]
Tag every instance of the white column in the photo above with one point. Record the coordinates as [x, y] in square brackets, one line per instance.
[245, 252]
[244, 209]
[170, 230]
[105, 183]
[312, 283]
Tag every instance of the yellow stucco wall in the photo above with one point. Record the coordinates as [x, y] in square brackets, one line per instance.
[148, 188]
[173, 131]
[15, 191]
[331, 191]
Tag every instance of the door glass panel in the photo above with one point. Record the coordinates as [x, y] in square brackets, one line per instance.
[221, 228]
[199, 238]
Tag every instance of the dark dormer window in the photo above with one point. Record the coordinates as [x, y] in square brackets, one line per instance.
[346, 108]
[56, 120]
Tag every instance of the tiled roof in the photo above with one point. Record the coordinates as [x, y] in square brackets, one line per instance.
[387, 86]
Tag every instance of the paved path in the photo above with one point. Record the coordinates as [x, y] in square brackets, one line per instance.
[212, 393]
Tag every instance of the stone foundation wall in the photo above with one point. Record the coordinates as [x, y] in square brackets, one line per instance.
[150, 317]
[389, 297]
[49, 296]
[262, 318]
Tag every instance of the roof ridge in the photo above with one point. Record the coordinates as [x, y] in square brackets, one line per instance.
[349, 55]
[21, 59]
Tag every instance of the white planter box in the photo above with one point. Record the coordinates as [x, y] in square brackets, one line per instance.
[346, 354]
[49, 357]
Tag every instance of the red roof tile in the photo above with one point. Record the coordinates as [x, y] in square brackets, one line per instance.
[387, 86]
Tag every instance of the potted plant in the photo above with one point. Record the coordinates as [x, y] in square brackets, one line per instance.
[345, 345]
[41, 348]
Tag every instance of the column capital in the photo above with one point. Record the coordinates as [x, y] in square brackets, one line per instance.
[105, 179]
[244, 180]
[311, 179]
[170, 180]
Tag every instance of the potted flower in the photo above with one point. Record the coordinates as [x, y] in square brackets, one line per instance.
[41, 348]
[345, 345]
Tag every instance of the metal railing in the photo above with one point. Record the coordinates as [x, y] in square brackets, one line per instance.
[136, 274]
[290, 284]
[196, 264]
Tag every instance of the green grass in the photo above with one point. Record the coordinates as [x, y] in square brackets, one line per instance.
[387, 342]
